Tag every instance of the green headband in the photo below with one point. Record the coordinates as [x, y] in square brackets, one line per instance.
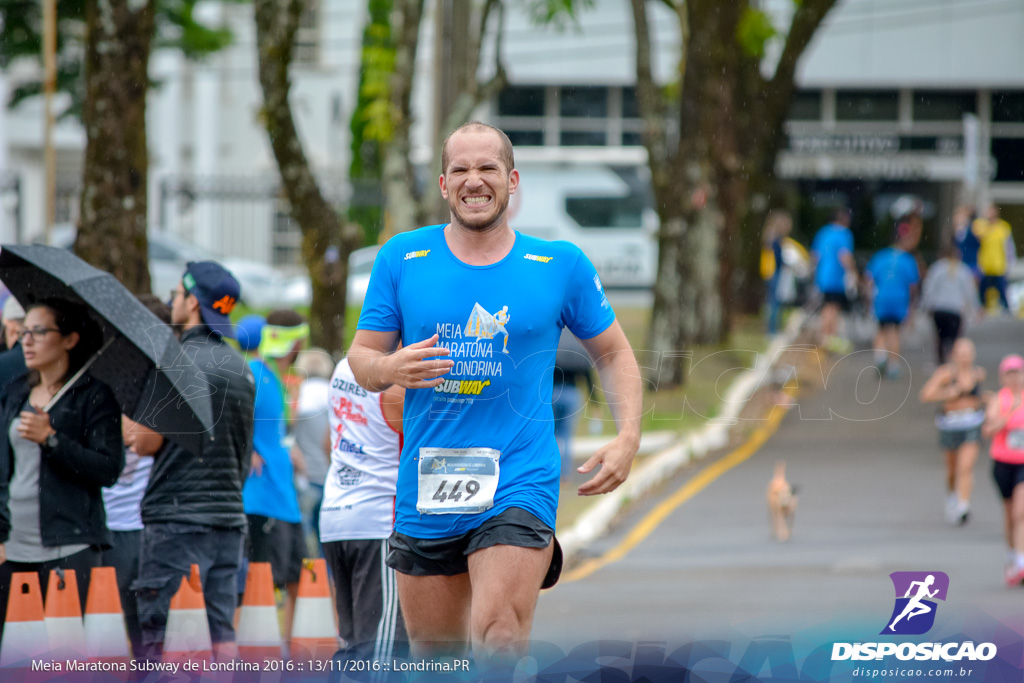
[278, 342]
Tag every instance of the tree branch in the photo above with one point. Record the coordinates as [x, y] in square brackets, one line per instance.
[650, 101]
[806, 20]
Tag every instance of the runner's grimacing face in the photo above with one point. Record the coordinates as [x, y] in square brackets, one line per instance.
[476, 183]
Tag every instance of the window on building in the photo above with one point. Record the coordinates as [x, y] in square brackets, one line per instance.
[806, 106]
[606, 212]
[584, 102]
[631, 139]
[525, 138]
[1009, 154]
[307, 38]
[518, 100]
[586, 116]
[935, 105]
[1008, 106]
[867, 105]
[630, 104]
[584, 138]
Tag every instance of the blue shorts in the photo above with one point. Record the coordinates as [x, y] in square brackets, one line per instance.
[888, 315]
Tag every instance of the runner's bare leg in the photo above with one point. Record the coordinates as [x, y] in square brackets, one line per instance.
[436, 612]
[506, 582]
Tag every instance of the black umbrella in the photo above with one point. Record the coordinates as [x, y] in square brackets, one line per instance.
[154, 381]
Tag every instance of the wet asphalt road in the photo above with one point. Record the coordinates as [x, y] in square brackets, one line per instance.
[871, 502]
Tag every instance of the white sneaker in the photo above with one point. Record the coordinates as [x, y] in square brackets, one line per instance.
[951, 508]
[963, 510]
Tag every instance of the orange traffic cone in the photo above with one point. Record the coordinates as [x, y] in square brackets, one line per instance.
[25, 636]
[63, 616]
[106, 639]
[187, 638]
[314, 635]
[259, 633]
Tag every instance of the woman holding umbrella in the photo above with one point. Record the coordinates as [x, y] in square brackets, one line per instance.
[55, 459]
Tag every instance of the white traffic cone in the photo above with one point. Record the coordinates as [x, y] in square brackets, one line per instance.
[187, 638]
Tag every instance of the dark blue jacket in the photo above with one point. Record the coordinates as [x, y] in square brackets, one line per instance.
[12, 365]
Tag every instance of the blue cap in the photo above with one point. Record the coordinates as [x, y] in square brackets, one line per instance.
[248, 332]
[217, 292]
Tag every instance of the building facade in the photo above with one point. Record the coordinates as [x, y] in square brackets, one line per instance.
[896, 97]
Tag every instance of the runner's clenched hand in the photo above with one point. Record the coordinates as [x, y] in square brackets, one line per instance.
[417, 366]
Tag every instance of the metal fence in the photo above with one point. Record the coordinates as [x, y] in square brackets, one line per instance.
[246, 216]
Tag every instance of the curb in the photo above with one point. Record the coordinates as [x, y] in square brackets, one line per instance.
[595, 521]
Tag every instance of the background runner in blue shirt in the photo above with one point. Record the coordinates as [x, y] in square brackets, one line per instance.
[832, 252]
[894, 276]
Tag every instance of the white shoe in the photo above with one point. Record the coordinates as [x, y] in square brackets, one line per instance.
[951, 508]
[963, 510]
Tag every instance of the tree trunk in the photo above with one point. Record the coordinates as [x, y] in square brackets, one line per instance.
[729, 122]
[760, 129]
[326, 239]
[401, 194]
[112, 232]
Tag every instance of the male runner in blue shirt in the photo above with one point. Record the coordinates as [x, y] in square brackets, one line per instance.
[832, 251]
[479, 309]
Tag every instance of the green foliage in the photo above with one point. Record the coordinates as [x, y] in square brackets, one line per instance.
[558, 13]
[754, 31]
[177, 28]
[21, 27]
[372, 123]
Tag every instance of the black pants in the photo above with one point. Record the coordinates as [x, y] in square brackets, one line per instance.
[947, 329]
[124, 558]
[366, 594]
[82, 562]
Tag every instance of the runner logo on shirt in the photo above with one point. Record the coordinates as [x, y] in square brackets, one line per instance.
[348, 476]
[483, 325]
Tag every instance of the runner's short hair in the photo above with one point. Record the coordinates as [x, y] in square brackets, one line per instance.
[285, 318]
[507, 156]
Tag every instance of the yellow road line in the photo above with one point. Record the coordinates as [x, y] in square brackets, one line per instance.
[656, 516]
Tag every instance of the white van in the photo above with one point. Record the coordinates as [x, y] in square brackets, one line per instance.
[604, 209]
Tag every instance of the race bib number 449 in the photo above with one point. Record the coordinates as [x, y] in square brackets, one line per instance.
[457, 480]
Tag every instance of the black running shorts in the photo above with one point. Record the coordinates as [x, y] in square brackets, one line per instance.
[449, 556]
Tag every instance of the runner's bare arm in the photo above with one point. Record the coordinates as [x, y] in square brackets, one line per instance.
[620, 379]
[145, 441]
[392, 401]
[995, 420]
[376, 365]
[937, 387]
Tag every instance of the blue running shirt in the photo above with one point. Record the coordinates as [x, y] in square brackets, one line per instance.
[501, 323]
[272, 492]
[893, 271]
[831, 241]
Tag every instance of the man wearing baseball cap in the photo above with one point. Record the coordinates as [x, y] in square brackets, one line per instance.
[192, 509]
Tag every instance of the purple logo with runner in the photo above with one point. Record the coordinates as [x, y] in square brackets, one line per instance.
[916, 593]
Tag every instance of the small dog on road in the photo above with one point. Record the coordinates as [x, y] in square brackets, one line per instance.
[781, 503]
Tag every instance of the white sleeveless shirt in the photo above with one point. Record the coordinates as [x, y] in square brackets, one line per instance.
[359, 492]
